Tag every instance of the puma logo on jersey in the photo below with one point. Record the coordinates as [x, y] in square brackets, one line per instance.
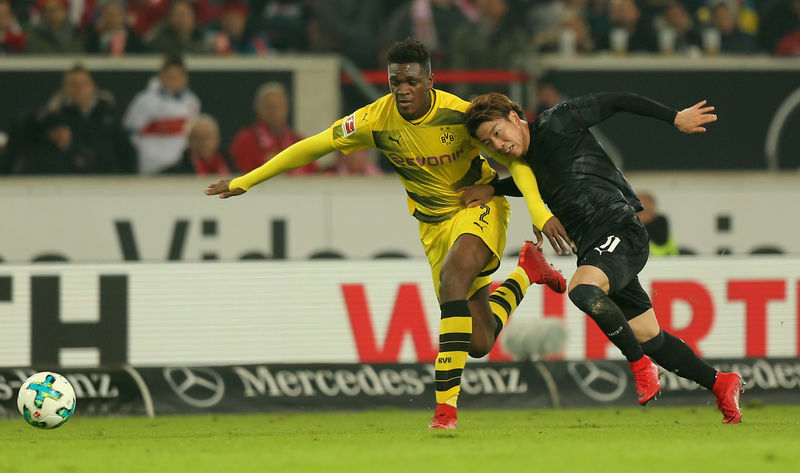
[396, 140]
[609, 246]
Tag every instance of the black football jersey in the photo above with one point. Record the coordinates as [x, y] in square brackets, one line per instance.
[577, 180]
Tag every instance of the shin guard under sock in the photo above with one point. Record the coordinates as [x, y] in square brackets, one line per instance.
[608, 316]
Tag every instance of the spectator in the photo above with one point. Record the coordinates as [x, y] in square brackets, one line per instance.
[284, 22]
[54, 34]
[661, 241]
[157, 117]
[56, 152]
[677, 19]
[180, 34]
[234, 36]
[358, 163]
[433, 22]
[202, 156]
[780, 29]
[12, 37]
[547, 96]
[747, 19]
[494, 42]
[625, 20]
[144, 15]
[269, 135]
[348, 27]
[732, 39]
[110, 33]
[93, 122]
[568, 35]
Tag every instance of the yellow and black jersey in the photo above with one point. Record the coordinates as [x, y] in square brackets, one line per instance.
[434, 155]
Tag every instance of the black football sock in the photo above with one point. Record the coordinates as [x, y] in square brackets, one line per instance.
[608, 316]
[675, 355]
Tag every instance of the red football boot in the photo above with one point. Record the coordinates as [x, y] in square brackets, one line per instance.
[539, 271]
[727, 388]
[645, 376]
[444, 418]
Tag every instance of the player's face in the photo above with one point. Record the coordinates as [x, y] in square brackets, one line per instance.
[410, 85]
[505, 136]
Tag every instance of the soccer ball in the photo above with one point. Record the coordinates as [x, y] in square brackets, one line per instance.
[46, 400]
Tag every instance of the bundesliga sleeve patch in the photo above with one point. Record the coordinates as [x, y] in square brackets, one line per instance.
[349, 125]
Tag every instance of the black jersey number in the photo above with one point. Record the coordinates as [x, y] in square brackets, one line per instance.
[486, 210]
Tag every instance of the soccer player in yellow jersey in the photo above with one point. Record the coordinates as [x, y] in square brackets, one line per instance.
[420, 131]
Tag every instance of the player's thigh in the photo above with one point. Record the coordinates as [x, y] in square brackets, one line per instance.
[619, 255]
[488, 222]
[591, 275]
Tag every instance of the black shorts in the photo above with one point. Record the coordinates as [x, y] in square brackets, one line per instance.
[621, 254]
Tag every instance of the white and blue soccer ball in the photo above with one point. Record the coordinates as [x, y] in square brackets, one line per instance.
[46, 400]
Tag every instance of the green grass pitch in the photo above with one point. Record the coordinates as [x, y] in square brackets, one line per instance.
[652, 439]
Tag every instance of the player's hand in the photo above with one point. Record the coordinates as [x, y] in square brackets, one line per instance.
[554, 232]
[476, 195]
[692, 119]
[222, 189]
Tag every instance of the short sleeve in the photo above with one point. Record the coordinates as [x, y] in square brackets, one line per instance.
[353, 132]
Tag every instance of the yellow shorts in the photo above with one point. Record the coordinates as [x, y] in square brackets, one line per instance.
[487, 222]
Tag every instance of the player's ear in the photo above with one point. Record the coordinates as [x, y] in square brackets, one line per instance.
[430, 81]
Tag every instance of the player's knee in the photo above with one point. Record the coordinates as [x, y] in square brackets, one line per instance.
[479, 351]
[453, 284]
[653, 344]
[587, 297]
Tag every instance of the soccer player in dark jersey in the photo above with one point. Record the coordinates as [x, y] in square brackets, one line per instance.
[597, 206]
[420, 130]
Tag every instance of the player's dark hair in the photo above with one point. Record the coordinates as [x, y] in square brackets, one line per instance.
[173, 60]
[409, 51]
[488, 107]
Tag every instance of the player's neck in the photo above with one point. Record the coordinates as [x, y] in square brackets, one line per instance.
[426, 108]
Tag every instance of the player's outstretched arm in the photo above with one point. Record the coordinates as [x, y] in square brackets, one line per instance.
[692, 119]
[299, 154]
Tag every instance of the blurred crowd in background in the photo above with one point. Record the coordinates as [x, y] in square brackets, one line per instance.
[460, 33]
[81, 130]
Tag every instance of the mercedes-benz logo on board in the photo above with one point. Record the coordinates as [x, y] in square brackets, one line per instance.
[198, 387]
[601, 382]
